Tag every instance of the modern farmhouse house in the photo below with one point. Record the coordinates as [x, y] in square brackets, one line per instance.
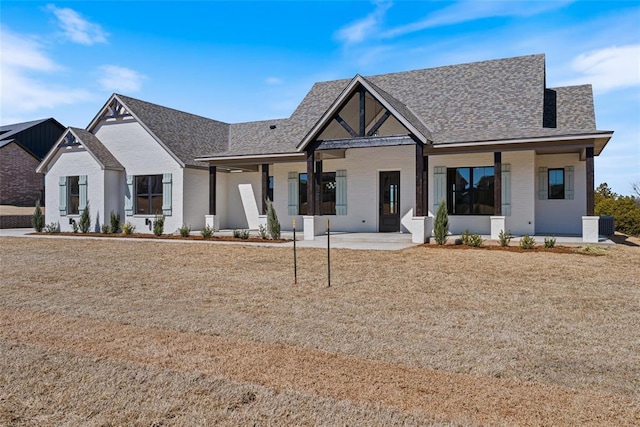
[373, 154]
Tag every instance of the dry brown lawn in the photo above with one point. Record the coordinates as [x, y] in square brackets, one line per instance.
[112, 332]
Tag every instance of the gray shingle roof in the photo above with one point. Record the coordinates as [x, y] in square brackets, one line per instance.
[186, 135]
[481, 101]
[93, 144]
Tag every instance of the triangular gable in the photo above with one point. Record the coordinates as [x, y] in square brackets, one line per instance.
[332, 121]
[74, 137]
[116, 109]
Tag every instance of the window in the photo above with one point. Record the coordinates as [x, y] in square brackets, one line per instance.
[148, 194]
[556, 183]
[73, 195]
[302, 194]
[470, 191]
[270, 189]
[328, 194]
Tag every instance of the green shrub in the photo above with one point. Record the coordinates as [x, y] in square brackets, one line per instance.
[475, 241]
[74, 225]
[85, 220]
[115, 222]
[262, 231]
[625, 211]
[465, 237]
[441, 224]
[54, 227]
[504, 238]
[527, 242]
[184, 230]
[158, 225]
[128, 228]
[207, 231]
[273, 225]
[38, 219]
[241, 234]
[549, 242]
[105, 229]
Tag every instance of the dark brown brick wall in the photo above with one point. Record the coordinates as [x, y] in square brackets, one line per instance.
[20, 185]
[15, 221]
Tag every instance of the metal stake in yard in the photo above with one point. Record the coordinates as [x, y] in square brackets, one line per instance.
[329, 253]
[295, 260]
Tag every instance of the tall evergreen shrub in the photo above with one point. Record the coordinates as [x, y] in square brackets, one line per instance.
[38, 218]
[273, 225]
[85, 220]
[441, 224]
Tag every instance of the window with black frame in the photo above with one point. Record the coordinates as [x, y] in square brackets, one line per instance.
[148, 194]
[556, 183]
[270, 189]
[73, 195]
[328, 194]
[302, 194]
[470, 190]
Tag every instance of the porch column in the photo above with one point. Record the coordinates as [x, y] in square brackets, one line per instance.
[311, 190]
[421, 181]
[212, 190]
[265, 187]
[497, 183]
[590, 182]
[318, 185]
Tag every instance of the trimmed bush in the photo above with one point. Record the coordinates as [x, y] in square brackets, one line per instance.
[262, 231]
[504, 238]
[128, 228]
[241, 234]
[158, 225]
[549, 242]
[184, 230]
[207, 231]
[527, 242]
[54, 227]
[105, 229]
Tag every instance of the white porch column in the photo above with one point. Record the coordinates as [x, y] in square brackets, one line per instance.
[590, 229]
[314, 226]
[421, 228]
[497, 225]
[212, 221]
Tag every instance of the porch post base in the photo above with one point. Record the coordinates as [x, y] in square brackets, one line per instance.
[212, 221]
[314, 226]
[497, 225]
[590, 229]
[421, 229]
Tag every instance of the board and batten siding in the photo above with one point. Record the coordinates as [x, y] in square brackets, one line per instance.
[562, 216]
[141, 154]
[76, 161]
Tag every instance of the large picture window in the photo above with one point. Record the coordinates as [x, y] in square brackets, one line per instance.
[470, 191]
[328, 194]
[73, 195]
[148, 194]
[556, 183]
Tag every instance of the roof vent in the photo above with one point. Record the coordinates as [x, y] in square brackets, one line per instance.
[272, 127]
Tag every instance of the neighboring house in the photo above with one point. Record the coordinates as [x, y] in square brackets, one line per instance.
[22, 147]
[373, 154]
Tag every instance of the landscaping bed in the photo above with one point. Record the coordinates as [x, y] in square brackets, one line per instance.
[213, 238]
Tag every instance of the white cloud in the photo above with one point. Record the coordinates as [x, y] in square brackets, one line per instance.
[360, 30]
[465, 11]
[120, 79]
[273, 80]
[22, 58]
[609, 68]
[76, 28]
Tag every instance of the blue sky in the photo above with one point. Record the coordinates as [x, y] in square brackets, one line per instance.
[244, 61]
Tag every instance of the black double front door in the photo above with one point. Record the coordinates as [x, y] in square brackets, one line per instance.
[389, 214]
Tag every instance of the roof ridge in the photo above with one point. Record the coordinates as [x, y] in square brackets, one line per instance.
[169, 108]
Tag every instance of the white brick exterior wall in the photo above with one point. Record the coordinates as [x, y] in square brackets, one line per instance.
[558, 216]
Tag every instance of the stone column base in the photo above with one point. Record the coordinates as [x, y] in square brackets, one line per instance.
[421, 228]
[314, 226]
[590, 229]
[212, 221]
[497, 225]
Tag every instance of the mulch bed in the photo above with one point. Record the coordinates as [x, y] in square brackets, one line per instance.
[537, 249]
[169, 237]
